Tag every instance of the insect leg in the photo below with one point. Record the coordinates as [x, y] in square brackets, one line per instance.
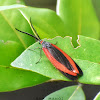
[56, 43]
[40, 55]
[34, 48]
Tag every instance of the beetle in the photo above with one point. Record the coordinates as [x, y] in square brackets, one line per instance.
[62, 61]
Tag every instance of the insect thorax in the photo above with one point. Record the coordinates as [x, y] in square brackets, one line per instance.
[46, 44]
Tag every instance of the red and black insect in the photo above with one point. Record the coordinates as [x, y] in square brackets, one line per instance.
[62, 61]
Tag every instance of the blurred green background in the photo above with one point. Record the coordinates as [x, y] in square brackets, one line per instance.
[51, 4]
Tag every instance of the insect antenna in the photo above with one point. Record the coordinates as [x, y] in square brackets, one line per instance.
[28, 34]
[34, 30]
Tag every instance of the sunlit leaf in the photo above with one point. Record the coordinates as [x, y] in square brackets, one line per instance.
[86, 56]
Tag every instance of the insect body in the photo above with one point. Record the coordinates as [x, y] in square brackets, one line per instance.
[58, 58]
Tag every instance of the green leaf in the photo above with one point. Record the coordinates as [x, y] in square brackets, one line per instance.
[79, 18]
[97, 97]
[68, 93]
[9, 51]
[97, 8]
[9, 24]
[11, 18]
[86, 56]
[48, 24]
[91, 73]
[12, 78]
[11, 7]
[45, 21]
[51, 24]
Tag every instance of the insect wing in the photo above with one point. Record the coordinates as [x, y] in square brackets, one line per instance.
[70, 61]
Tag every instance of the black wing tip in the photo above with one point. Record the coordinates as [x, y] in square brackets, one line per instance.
[71, 77]
[79, 69]
[80, 72]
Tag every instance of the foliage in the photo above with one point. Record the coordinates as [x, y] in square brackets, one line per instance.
[72, 19]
